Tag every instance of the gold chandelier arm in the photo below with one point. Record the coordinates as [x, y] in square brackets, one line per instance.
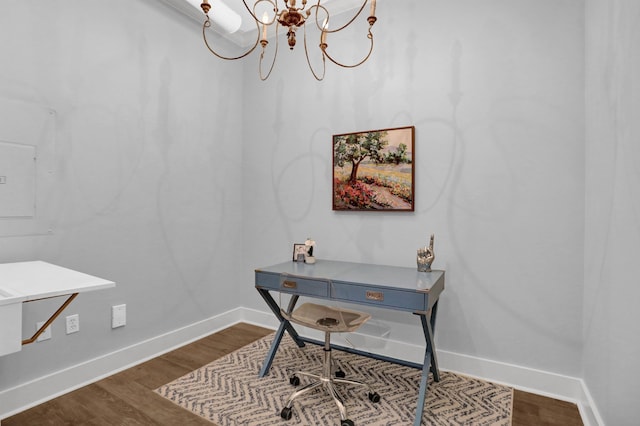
[253, 12]
[275, 55]
[207, 24]
[306, 53]
[369, 36]
[328, 31]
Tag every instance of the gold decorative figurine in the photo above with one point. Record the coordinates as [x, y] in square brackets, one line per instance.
[426, 257]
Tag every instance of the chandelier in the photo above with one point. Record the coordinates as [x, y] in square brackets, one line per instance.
[292, 18]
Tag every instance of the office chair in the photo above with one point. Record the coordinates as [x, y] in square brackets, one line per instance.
[330, 320]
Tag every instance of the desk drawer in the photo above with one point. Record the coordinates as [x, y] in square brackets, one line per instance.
[383, 297]
[293, 284]
[304, 286]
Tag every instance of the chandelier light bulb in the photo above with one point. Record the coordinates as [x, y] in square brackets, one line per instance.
[265, 21]
[323, 37]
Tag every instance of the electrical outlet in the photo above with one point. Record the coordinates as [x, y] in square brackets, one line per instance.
[73, 323]
[46, 334]
[118, 316]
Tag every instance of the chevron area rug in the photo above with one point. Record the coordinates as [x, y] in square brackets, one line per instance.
[229, 392]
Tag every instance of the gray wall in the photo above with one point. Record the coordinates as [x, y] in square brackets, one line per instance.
[170, 176]
[612, 243]
[495, 90]
[148, 170]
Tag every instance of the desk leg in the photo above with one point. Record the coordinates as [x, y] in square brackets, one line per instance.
[434, 359]
[284, 325]
[430, 362]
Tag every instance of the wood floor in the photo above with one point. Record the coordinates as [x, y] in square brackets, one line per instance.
[127, 398]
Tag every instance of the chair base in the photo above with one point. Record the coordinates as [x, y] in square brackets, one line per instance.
[328, 381]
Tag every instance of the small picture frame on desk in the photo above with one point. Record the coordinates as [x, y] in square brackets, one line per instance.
[299, 252]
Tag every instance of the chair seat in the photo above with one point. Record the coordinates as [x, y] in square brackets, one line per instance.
[327, 318]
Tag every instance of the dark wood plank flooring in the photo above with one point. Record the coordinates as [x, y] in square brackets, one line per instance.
[127, 398]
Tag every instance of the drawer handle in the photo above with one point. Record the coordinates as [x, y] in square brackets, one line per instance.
[375, 295]
[289, 284]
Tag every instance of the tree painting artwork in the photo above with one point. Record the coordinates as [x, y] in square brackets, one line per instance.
[373, 170]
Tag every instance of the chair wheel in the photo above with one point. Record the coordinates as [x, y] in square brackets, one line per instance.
[346, 422]
[294, 380]
[286, 413]
[340, 374]
[374, 397]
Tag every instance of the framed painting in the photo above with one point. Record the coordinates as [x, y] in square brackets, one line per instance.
[373, 170]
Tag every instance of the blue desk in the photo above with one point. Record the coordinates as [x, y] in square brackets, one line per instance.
[389, 287]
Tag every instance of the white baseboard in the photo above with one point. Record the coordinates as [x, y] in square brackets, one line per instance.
[29, 394]
[588, 409]
[26, 395]
[565, 388]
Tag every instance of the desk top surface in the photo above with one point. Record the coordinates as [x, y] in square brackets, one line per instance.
[24, 281]
[396, 277]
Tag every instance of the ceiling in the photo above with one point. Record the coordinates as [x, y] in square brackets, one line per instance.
[246, 35]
